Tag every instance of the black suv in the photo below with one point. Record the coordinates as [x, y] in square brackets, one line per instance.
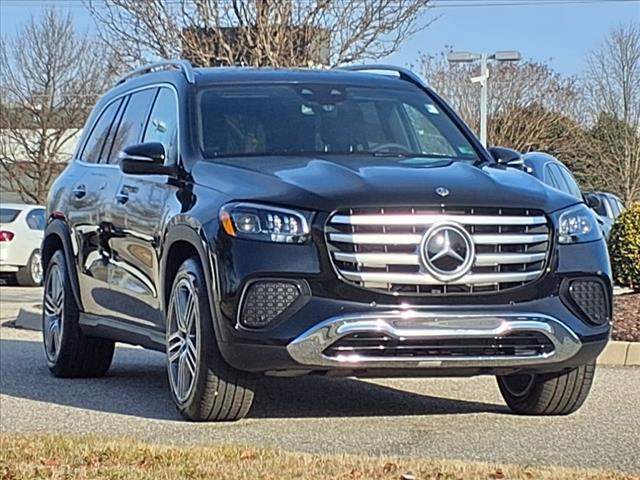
[292, 222]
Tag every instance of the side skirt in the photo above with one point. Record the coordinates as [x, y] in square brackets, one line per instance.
[120, 331]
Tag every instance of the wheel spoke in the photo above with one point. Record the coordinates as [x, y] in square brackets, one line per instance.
[179, 310]
[175, 352]
[191, 357]
[55, 332]
[50, 305]
[49, 336]
[189, 312]
[182, 386]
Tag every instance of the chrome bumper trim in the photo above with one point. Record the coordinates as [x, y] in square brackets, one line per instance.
[308, 348]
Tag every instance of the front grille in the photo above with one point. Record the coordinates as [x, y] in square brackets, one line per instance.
[380, 345]
[379, 248]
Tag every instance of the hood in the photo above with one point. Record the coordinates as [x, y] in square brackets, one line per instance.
[326, 184]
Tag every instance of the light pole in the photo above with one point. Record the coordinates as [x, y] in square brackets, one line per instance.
[467, 57]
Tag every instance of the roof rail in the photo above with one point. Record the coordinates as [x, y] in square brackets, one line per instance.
[403, 73]
[182, 65]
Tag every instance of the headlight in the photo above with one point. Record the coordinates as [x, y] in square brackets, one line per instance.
[578, 224]
[262, 222]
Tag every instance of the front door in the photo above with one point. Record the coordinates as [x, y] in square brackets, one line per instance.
[140, 209]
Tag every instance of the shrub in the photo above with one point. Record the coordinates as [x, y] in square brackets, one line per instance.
[624, 248]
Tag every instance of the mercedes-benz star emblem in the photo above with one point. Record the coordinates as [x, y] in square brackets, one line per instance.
[447, 251]
[443, 191]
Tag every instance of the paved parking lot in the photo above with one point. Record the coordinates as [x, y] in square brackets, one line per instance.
[437, 418]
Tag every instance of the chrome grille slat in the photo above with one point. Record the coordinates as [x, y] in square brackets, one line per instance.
[416, 239]
[425, 279]
[422, 219]
[482, 259]
[380, 249]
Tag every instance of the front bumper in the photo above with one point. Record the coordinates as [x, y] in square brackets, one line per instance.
[428, 332]
[331, 309]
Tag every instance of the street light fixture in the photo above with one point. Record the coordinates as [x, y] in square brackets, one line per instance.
[467, 57]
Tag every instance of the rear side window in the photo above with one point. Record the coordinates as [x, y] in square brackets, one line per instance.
[35, 219]
[8, 215]
[132, 122]
[94, 145]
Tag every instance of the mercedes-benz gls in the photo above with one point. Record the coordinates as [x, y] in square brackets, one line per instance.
[254, 222]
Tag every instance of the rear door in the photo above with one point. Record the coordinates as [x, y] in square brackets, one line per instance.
[91, 186]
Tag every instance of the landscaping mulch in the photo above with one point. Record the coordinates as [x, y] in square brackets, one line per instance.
[626, 317]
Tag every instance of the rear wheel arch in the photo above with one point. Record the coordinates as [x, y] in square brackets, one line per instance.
[58, 237]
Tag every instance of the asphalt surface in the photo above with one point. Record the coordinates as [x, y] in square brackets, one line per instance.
[433, 418]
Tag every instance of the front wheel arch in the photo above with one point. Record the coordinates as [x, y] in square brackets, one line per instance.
[182, 242]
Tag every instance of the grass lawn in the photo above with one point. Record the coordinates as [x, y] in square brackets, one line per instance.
[53, 457]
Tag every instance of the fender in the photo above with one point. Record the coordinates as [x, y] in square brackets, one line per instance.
[57, 232]
[197, 239]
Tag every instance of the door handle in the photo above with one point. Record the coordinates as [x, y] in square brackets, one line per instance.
[122, 197]
[79, 191]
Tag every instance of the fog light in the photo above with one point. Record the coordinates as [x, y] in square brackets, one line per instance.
[591, 298]
[264, 300]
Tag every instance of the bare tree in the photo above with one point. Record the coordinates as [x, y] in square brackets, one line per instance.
[613, 92]
[278, 33]
[531, 107]
[512, 86]
[616, 157]
[613, 75]
[51, 76]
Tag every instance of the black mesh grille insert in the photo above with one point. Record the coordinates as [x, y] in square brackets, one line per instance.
[525, 344]
[266, 300]
[591, 298]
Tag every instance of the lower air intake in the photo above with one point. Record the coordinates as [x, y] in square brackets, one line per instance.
[380, 345]
[590, 297]
[264, 301]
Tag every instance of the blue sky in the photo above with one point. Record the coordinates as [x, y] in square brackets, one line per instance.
[560, 34]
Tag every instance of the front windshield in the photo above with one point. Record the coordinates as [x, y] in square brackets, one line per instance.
[313, 119]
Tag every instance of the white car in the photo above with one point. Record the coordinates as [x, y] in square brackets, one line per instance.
[21, 232]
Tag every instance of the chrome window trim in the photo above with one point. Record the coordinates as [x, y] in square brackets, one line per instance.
[119, 96]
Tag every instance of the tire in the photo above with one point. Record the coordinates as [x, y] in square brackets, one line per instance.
[203, 385]
[69, 353]
[547, 394]
[31, 274]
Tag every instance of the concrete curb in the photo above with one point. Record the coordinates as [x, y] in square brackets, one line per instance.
[618, 354]
[621, 354]
[29, 318]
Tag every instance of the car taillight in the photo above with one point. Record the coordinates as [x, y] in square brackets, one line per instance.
[6, 236]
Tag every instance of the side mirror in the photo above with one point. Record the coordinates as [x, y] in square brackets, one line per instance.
[508, 157]
[592, 200]
[145, 159]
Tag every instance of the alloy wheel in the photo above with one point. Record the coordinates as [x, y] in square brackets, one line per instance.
[53, 314]
[182, 339]
[36, 268]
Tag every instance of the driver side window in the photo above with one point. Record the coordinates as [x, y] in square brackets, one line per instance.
[163, 124]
